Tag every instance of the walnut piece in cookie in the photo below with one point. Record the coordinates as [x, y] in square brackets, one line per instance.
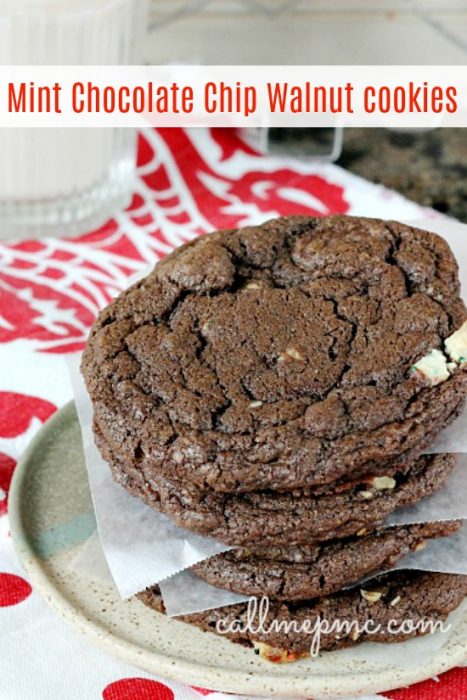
[371, 596]
[278, 656]
[380, 483]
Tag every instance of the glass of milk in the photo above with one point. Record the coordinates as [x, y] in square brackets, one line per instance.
[66, 181]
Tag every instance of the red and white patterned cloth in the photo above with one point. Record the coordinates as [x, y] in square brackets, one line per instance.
[188, 182]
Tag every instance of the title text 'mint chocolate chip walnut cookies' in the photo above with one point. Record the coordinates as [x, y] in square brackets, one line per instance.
[275, 387]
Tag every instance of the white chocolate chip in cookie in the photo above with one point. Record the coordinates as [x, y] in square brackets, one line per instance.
[433, 367]
[456, 345]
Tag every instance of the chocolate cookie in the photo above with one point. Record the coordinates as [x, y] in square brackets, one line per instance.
[327, 568]
[392, 608]
[283, 518]
[293, 354]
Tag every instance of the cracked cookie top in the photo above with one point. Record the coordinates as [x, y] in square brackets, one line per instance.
[279, 356]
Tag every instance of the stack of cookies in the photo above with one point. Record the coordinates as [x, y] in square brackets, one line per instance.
[275, 387]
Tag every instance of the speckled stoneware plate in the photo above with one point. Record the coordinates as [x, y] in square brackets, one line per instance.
[51, 517]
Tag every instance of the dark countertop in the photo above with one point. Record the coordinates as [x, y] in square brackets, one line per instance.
[429, 167]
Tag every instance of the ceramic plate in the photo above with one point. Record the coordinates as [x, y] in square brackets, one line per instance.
[52, 516]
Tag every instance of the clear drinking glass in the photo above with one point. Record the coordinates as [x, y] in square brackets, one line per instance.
[66, 180]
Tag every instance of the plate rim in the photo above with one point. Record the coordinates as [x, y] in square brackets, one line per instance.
[188, 672]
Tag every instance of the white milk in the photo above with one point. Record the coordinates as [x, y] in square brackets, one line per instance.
[66, 180]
